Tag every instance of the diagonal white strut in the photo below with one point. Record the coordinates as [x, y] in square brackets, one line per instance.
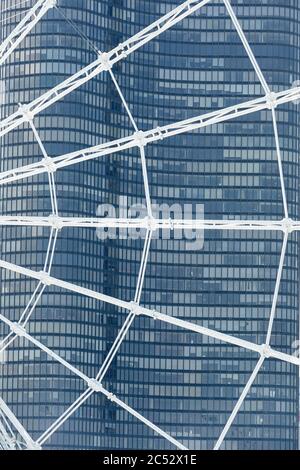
[108, 59]
[277, 286]
[91, 383]
[111, 354]
[139, 310]
[51, 178]
[151, 136]
[36, 296]
[247, 46]
[139, 139]
[18, 426]
[34, 15]
[8, 437]
[139, 136]
[266, 350]
[239, 402]
[279, 159]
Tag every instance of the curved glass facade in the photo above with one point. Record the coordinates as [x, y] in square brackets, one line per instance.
[185, 383]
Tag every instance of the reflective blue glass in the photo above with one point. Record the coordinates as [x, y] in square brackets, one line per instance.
[186, 383]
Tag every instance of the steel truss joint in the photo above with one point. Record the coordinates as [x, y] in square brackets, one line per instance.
[105, 61]
[111, 397]
[45, 278]
[271, 100]
[94, 385]
[55, 221]
[152, 224]
[49, 164]
[159, 132]
[34, 446]
[26, 112]
[135, 308]
[18, 329]
[52, 3]
[288, 225]
[140, 139]
[266, 351]
[155, 315]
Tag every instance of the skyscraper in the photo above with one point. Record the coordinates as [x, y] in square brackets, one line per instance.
[185, 383]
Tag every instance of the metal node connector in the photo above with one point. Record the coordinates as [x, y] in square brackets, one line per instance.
[27, 113]
[159, 132]
[52, 3]
[140, 138]
[266, 351]
[18, 329]
[151, 224]
[271, 100]
[105, 62]
[55, 222]
[111, 397]
[94, 385]
[135, 308]
[49, 164]
[34, 446]
[287, 225]
[154, 314]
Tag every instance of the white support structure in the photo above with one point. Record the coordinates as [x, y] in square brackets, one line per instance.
[8, 440]
[93, 384]
[51, 178]
[14, 423]
[9, 424]
[139, 310]
[104, 62]
[247, 47]
[148, 137]
[34, 15]
[279, 159]
[277, 286]
[57, 222]
[36, 296]
[239, 402]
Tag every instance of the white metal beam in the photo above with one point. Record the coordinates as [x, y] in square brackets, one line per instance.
[132, 314]
[8, 440]
[239, 403]
[104, 62]
[34, 15]
[111, 354]
[18, 426]
[94, 384]
[139, 310]
[59, 222]
[277, 287]
[142, 149]
[139, 139]
[37, 294]
[150, 136]
[51, 179]
[65, 416]
[279, 159]
[247, 46]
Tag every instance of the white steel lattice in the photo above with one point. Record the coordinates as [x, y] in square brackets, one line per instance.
[10, 427]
